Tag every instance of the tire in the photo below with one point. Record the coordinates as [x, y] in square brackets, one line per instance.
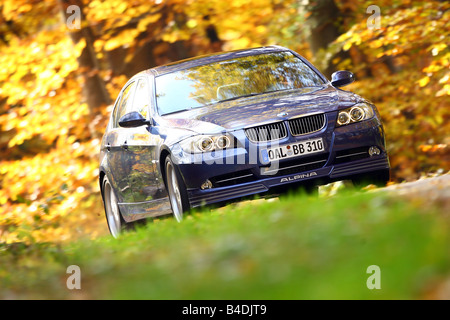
[176, 190]
[116, 224]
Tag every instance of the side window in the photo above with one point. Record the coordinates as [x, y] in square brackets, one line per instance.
[125, 103]
[115, 111]
[142, 98]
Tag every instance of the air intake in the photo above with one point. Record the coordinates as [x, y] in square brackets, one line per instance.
[308, 124]
[267, 132]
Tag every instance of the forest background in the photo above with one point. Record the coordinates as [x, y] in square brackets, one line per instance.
[59, 76]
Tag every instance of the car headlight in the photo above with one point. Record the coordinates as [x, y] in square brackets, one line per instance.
[207, 143]
[358, 112]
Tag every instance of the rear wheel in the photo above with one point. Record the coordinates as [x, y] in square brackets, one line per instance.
[177, 190]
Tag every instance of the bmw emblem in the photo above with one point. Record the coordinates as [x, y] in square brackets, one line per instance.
[282, 114]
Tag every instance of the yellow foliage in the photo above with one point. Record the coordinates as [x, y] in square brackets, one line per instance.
[424, 81]
[50, 136]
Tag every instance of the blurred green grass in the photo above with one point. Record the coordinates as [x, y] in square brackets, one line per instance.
[296, 247]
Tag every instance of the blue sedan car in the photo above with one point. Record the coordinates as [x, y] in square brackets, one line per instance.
[217, 128]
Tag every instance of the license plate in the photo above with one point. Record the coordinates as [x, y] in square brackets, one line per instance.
[293, 150]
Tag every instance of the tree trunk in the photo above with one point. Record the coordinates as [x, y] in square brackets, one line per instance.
[324, 19]
[94, 89]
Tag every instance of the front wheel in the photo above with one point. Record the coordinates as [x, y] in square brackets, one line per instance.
[112, 212]
[176, 190]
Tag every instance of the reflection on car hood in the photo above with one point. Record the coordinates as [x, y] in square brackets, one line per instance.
[246, 112]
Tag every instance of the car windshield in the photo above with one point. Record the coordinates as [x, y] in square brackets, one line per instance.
[232, 79]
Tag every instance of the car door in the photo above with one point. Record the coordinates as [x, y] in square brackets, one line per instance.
[116, 145]
[142, 154]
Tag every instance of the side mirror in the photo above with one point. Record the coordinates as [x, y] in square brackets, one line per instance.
[132, 120]
[342, 78]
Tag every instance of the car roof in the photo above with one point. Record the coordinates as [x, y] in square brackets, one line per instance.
[214, 57]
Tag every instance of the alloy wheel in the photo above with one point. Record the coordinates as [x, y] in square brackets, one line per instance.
[174, 191]
[112, 210]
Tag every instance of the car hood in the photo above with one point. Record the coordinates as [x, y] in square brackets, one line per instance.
[251, 111]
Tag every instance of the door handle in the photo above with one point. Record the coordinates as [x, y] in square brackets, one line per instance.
[108, 146]
[125, 145]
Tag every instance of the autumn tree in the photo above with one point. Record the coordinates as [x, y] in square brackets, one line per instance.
[323, 24]
[57, 84]
[94, 89]
[409, 61]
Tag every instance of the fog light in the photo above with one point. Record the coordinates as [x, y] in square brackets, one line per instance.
[206, 185]
[374, 151]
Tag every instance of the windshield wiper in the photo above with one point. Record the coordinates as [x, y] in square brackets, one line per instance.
[243, 96]
[288, 89]
[178, 111]
[257, 94]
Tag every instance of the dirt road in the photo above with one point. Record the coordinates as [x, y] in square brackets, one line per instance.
[433, 189]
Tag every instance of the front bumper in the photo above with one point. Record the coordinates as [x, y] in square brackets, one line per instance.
[198, 197]
[237, 173]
